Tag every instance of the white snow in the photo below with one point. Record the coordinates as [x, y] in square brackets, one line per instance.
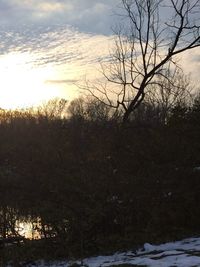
[184, 253]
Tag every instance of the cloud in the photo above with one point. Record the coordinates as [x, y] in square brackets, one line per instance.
[190, 62]
[56, 44]
[68, 81]
[41, 9]
[61, 56]
[86, 15]
[68, 49]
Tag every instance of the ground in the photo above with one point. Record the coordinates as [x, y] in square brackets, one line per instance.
[184, 253]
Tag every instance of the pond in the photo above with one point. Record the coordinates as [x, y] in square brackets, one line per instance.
[14, 224]
[34, 229]
[28, 229]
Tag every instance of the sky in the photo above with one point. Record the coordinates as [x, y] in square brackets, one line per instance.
[47, 46]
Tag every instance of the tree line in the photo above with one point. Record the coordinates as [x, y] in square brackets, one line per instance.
[92, 185]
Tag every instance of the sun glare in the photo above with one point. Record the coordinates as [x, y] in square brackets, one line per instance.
[23, 84]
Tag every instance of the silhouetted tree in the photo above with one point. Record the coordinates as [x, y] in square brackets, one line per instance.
[147, 44]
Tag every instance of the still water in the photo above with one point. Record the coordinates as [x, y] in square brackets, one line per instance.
[29, 229]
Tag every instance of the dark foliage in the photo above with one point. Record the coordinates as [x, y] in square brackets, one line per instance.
[93, 186]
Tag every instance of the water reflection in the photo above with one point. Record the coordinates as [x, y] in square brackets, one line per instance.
[34, 229]
[29, 230]
[14, 225]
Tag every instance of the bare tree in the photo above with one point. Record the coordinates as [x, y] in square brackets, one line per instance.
[154, 33]
[91, 109]
[53, 109]
[167, 93]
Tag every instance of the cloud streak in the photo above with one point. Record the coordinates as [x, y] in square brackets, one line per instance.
[56, 45]
[57, 57]
[69, 81]
[48, 61]
[69, 51]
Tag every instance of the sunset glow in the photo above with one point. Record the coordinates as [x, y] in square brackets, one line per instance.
[23, 85]
[49, 66]
[47, 47]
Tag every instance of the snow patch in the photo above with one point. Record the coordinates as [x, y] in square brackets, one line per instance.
[184, 253]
